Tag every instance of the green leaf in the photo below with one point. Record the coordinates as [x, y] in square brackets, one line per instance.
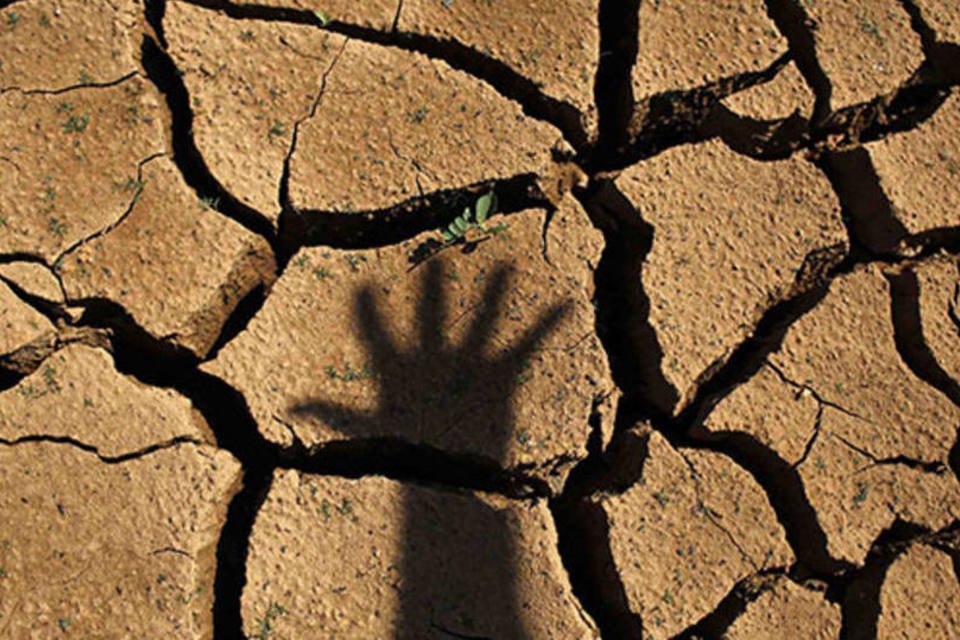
[484, 207]
[447, 236]
[322, 17]
[453, 230]
[461, 225]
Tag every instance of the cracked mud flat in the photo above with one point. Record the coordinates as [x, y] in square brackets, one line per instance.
[698, 378]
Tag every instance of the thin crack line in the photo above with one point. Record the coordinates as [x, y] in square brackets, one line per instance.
[493, 72]
[804, 388]
[113, 225]
[935, 467]
[106, 459]
[73, 87]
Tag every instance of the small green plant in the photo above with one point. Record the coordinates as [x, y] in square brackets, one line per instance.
[277, 129]
[868, 26]
[322, 18]
[862, 491]
[265, 624]
[419, 115]
[64, 623]
[208, 203]
[57, 227]
[322, 273]
[13, 18]
[354, 261]
[50, 378]
[473, 220]
[348, 373]
[44, 20]
[76, 123]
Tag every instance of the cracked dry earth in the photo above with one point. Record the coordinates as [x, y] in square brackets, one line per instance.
[703, 382]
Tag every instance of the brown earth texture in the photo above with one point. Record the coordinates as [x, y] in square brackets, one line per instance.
[483, 319]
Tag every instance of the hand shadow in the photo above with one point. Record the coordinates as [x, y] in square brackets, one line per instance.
[458, 574]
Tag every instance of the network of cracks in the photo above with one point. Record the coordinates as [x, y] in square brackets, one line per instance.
[697, 378]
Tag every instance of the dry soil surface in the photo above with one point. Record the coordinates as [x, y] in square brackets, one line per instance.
[487, 319]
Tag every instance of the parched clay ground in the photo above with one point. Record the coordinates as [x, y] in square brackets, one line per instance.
[697, 376]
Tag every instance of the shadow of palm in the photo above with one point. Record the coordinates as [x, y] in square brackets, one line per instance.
[458, 575]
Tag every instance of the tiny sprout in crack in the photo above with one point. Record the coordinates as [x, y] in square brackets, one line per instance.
[473, 220]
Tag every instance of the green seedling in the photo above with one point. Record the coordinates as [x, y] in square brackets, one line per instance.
[76, 124]
[473, 220]
[265, 624]
[322, 17]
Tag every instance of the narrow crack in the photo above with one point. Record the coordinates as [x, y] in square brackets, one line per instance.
[796, 26]
[497, 74]
[289, 226]
[73, 87]
[936, 467]
[748, 589]
[619, 22]
[163, 73]
[859, 592]
[676, 117]
[712, 516]
[89, 448]
[396, 223]
[113, 225]
[803, 389]
[908, 335]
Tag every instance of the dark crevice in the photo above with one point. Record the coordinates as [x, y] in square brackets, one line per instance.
[106, 459]
[905, 108]
[26, 359]
[860, 592]
[163, 73]
[584, 543]
[154, 11]
[908, 335]
[786, 494]
[497, 74]
[796, 26]
[622, 305]
[717, 622]
[233, 549]
[619, 23]
[721, 378]
[394, 224]
[238, 320]
[672, 118]
[928, 37]
[53, 311]
[866, 211]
